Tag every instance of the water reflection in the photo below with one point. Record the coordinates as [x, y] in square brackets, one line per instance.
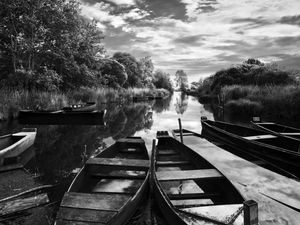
[181, 104]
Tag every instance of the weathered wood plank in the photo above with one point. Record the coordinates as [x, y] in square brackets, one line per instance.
[259, 137]
[171, 163]
[131, 140]
[121, 174]
[85, 215]
[191, 202]
[120, 163]
[188, 174]
[168, 152]
[70, 222]
[193, 195]
[125, 186]
[17, 205]
[94, 201]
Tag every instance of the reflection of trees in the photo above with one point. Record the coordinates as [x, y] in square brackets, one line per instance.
[60, 148]
[181, 103]
[161, 105]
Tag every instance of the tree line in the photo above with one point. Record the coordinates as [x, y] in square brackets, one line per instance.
[48, 45]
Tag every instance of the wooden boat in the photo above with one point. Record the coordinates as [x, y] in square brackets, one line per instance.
[13, 145]
[110, 187]
[190, 190]
[277, 129]
[61, 117]
[277, 150]
[85, 107]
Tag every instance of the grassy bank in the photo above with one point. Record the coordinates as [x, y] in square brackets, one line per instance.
[14, 100]
[272, 102]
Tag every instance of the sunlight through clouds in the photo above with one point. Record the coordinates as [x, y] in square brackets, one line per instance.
[199, 37]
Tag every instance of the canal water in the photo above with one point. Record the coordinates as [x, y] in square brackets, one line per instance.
[61, 149]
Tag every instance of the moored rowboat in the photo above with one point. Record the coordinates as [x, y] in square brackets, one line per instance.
[110, 187]
[61, 117]
[190, 190]
[277, 129]
[12, 145]
[88, 106]
[277, 150]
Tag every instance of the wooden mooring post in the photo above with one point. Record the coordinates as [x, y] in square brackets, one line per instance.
[180, 130]
[250, 212]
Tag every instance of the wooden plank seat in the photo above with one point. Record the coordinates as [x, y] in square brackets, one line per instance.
[121, 174]
[68, 215]
[95, 201]
[131, 151]
[193, 196]
[131, 140]
[182, 203]
[188, 174]
[120, 163]
[171, 163]
[259, 137]
[290, 133]
[167, 152]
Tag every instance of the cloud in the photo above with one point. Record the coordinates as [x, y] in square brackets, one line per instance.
[293, 20]
[199, 36]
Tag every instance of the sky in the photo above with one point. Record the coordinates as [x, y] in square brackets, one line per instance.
[200, 36]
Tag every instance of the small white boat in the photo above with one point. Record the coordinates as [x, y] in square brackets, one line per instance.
[12, 145]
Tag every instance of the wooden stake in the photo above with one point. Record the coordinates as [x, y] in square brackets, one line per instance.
[180, 130]
[250, 212]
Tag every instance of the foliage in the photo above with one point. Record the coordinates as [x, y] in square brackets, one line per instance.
[276, 102]
[47, 34]
[147, 68]
[250, 72]
[181, 80]
[162, 80]
[113, 73]
[132, 68]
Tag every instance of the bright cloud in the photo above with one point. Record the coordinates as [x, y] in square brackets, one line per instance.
[200, 36]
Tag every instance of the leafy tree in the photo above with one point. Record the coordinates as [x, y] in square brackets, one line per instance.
[47, 34]
[147, 68]
[113, 72]
[181, 80]
[162, 80]
[132, 68]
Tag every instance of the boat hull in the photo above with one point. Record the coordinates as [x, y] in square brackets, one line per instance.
[63, 117]
[125, 210]
[12, 146]
[285, 159]
[184, 181]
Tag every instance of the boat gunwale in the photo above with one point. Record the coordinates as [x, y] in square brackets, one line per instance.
[138, 194]
[159, 188]
[279, 149]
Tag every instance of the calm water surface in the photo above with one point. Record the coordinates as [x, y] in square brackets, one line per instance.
[60, 149]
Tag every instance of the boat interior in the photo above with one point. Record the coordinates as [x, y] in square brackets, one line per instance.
[107, 182]
[8, 140]
[257, 135]
[191, 183]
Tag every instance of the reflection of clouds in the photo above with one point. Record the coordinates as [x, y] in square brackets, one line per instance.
[254, 181]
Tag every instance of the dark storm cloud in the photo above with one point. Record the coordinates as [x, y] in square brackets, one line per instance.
[289, 40]
[293, 20]
[191, 40]
[164, 8]
[206, 8]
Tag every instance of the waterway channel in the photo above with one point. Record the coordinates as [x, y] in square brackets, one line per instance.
[60, 150]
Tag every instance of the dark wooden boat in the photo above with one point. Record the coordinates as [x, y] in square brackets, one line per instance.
[190, 190]
[277, 150]
[277, 129]
[110, 187]
[61, 117]
[13, 145]
[85, 107]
